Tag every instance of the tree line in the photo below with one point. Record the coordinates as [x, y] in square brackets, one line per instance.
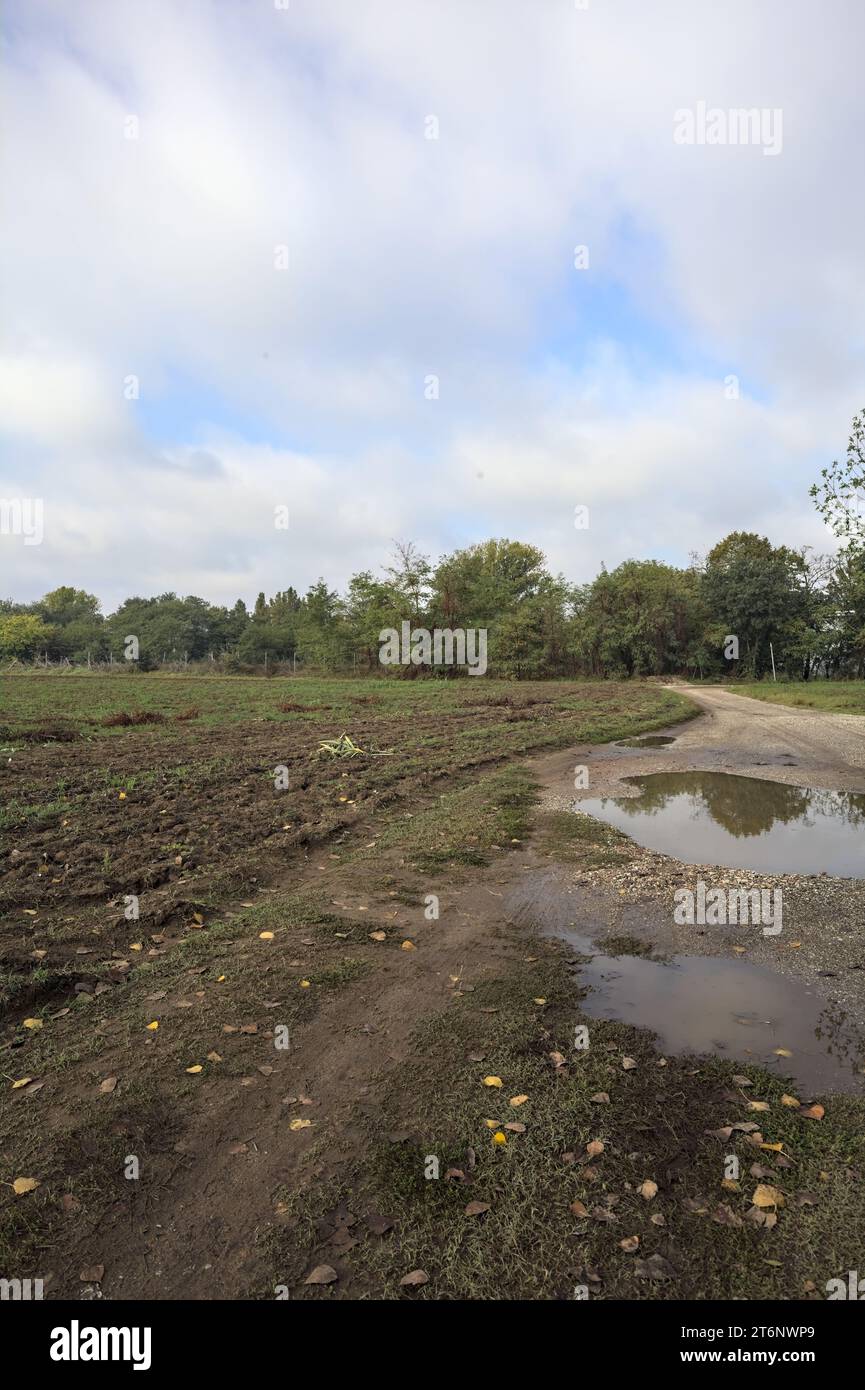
[644, 618]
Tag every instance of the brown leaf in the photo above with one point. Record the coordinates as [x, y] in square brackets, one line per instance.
[107, 1086]
[92, 1274]
[322, 1274]
[476, 1208]
[414, 1279]
[812, 1112]
[630, 1244]
[648, 1189]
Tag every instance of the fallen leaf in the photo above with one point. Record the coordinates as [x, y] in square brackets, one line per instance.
[790, 1100]
[408, 946]
[518, 1100]
[782, 1052]
[594, 1148]
[812, 1112]
[600, 1098]
[107, 1086]
[152, 1027]
[492, 1081]
[322, 1274]
[630, 1244]
[628, 1064]
[300, 1124]
[193, 1071]
[476, 1208]
[22, 1185]
[578, 1209]
[378, 936]
[33, 1023]
[648, 1189]
[92, 1274]
[414, 1279]
[766, 1196]
[25, 1081]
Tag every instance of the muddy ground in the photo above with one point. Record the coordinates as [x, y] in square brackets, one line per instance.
[258, 1164]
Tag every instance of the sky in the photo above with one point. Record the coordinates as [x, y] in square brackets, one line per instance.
[323, 255]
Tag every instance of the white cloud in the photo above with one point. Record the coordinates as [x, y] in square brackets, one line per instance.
[260, 128]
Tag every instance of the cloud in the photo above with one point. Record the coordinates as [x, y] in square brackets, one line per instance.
[266, 137]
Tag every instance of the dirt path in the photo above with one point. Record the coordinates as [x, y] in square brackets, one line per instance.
[629, 892]
[734, 734]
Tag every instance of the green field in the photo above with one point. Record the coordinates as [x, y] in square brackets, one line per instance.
[835, 697]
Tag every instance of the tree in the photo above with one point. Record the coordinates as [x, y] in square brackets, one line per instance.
[840, 497]
[751, 592]
[23, 635]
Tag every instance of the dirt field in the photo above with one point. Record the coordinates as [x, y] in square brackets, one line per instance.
[181, 1150]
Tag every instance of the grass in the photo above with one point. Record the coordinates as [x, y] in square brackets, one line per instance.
[532, 1243]
[836, 697]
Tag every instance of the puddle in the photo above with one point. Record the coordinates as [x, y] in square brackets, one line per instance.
[706, 1004]
[741, 823]
[647, 741]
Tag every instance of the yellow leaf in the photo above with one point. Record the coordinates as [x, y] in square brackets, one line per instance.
[220, 979]
[378, 935]
[122, 796]
[758, 1105]
[499, 1138]
[766, 1196]
[492, 1081]
[136, 946]
[300, 1124]
[518, 1100]
[152, 1027]
[304, 984]
[492, 1124]
[22, 1185]
[773, 1148]
[193, 1071]
[782, 1052]
[539, 1001]
[30, 911]
[265, 936]
[33, 1023]
[790, 1100]
[25, 1081]
[408, 946]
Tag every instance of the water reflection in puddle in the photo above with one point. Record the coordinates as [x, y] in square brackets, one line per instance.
[647, 741]
[741, 822]
[706, 1004]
